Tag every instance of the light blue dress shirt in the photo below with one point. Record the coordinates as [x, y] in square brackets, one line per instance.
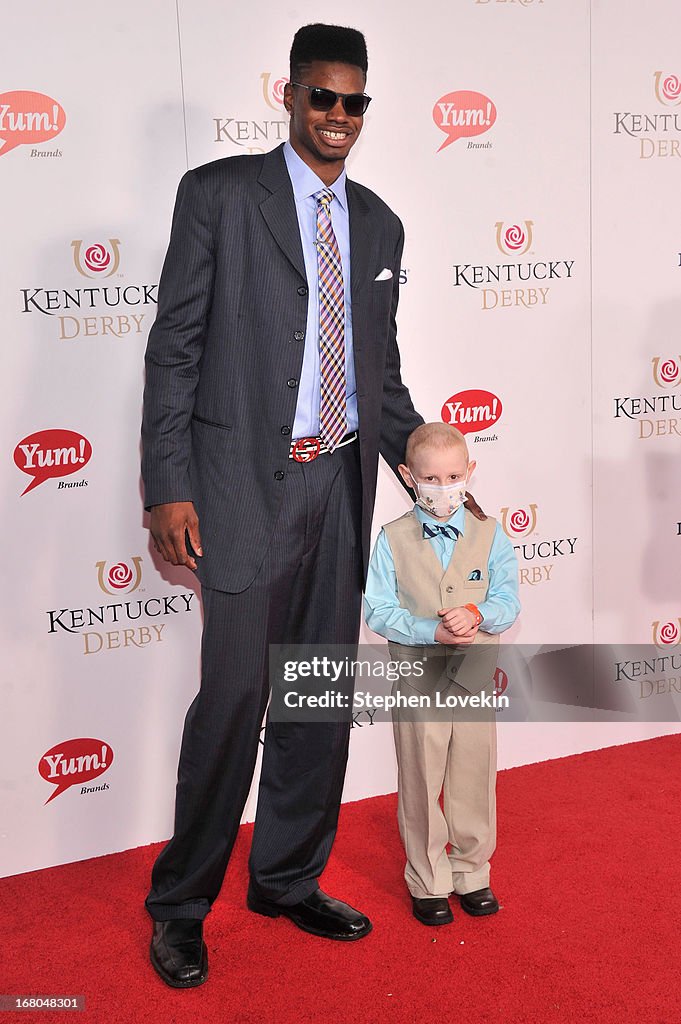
[305, 183]
[386, 616]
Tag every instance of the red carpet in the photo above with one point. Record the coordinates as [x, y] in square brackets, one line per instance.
[587, 871]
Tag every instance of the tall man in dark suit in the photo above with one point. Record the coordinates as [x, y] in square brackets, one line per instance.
[273, 382]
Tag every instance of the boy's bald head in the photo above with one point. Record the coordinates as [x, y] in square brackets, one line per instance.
[434, 435]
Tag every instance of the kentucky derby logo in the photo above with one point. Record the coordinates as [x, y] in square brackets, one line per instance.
[658, 131]
[666, 372]
[514, 240]
[667, 634]
[516, 281]
[537, 559]
[667, 89]
[273, 92]
[519, 523]
[97, 260]
[120, 577]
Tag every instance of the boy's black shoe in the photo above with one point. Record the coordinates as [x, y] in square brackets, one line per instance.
[432, 910]
[479, 903]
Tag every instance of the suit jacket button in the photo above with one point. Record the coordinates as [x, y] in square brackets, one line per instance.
[302, 290]
[285, 430]
[279, 475]
[449, 589]
[299, 335]
[292, 382]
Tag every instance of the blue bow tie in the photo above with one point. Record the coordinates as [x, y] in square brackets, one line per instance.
[439, 530]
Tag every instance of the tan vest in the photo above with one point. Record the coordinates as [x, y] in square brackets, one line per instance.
[423, 587]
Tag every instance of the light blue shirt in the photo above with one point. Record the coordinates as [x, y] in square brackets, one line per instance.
[386, 616]
[305, 183]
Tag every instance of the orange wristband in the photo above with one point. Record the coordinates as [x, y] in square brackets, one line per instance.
[476, 611]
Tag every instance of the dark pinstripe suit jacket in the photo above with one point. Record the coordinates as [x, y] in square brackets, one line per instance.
[226, 351]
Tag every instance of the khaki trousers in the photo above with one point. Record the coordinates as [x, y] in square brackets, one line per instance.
[455, 758]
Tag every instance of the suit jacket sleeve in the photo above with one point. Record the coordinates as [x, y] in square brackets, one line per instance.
[175, 346]
[398, 416]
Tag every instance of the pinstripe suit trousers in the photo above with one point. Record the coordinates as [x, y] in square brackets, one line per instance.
[307, 590]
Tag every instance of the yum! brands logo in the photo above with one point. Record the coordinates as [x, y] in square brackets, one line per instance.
[659, 133]
[100, 309]
[75, 762]
[500, 679]
[127, 621]
[50, 454]
[473, 411]
[121, 577]
[463, 115]
[656, 414]
[256, 135]
[97, 260]
[536, 558]
[27, 119]
[515, 282]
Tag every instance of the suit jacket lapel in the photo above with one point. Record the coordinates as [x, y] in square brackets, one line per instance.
[279, 208]
[360, 239]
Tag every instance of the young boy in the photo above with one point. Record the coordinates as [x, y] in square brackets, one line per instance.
[440, 581]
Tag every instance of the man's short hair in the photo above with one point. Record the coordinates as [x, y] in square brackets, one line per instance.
[328, 43]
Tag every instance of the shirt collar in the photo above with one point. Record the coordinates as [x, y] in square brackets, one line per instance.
[457, 518]
[305, 182]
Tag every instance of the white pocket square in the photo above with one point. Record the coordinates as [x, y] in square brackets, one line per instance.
[385, 275]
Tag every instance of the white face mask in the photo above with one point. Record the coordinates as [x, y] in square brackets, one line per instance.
[441, 501]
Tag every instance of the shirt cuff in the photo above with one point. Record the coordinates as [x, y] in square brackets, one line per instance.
[424, 630]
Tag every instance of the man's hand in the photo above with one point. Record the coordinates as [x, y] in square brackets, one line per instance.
[169, 524]
[471, 504]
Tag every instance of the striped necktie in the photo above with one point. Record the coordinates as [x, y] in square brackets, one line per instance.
[332, 406]
[439, 530]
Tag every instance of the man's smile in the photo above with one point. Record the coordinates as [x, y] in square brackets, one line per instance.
[333, 136]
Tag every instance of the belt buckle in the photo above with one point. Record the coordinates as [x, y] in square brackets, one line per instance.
[306, 449]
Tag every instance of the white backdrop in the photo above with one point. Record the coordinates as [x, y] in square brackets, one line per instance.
[542, 267]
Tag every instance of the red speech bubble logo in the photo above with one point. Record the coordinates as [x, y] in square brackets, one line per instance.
[51, 453]
[463, 114]
[27, 118]
[500, 682]
[74, 762]
[472, 410]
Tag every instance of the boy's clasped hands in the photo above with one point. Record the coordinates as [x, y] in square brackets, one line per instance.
[457, 626]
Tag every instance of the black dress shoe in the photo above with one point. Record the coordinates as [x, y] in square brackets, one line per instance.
[318, 914]
[479, 903]
[432, 910]
[178, 952]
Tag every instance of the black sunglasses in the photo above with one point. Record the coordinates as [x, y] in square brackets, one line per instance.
[354, 103]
